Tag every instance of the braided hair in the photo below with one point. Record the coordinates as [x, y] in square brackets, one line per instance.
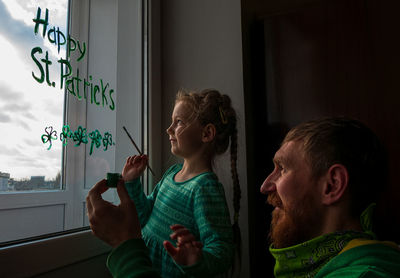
[210, 106]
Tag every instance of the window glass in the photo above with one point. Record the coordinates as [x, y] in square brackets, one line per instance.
[31, 100]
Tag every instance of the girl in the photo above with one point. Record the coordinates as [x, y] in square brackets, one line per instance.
[189, 199]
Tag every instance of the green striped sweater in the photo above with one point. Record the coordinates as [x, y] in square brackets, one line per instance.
[199, 204]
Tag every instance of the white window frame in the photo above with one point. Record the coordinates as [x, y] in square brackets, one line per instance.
[130, 76]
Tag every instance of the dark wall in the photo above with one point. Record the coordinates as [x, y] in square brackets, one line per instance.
[307, 59]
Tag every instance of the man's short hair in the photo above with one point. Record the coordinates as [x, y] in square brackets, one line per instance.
[345, 141]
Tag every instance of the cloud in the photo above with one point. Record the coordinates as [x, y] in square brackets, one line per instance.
[29, 116]
[14, 102]
[22, 110]
[31, 162]
[17, 107]
[53, 106]
[4, 118]
[54, 156]
[4, 150]
[15, 31]
[23, 124]
[9, 95]
[39, 149]
[30, 142]
[22, 10]
[20, 146]
[22, 36]
[36, 146]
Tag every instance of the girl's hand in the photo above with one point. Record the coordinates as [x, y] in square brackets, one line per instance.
[188, 251]
[134, 167]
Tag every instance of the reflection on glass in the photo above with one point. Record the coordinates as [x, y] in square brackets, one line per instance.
[27, 106]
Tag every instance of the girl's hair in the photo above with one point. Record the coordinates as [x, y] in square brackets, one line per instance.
[210, 106]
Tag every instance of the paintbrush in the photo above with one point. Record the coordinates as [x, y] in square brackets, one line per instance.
[137, 148]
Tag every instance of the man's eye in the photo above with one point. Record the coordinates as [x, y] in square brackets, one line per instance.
[280, 169]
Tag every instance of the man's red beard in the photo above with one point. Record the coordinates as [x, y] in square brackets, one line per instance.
[293, 223]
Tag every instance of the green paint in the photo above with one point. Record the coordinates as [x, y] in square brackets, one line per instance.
[81, 51]
[96, 140]
[72, 83]
[49, 136]
[112, 179]
[103, 90]
[33, 52]
[80, 136]
[68, 85]
[39, 21]
[78, 80]
[47, 62]
[107, 140]
[112, 106]
[96, 89]
[65, 134]
[64, 64]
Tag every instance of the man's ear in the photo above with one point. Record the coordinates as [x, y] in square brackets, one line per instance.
[209, 132]
[335, 184]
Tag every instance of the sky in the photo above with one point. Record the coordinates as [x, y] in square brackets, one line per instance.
[26, 106]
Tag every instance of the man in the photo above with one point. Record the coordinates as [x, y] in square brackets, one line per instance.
[327, 174]
[119, 227]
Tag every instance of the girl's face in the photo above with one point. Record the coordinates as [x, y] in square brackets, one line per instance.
[185, 132]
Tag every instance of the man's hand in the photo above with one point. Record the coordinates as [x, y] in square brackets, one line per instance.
[134, 167]
[112, 224]
[188, 250]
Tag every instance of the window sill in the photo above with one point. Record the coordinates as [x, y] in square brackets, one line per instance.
[29, 259]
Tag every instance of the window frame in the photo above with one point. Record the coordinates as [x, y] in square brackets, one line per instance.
[80, 244]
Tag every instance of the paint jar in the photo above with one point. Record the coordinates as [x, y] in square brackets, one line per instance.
[112, 179]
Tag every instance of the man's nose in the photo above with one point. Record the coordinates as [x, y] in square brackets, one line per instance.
[269, 184]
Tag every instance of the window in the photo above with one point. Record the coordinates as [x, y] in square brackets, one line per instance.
[57, 141]
[26, 105]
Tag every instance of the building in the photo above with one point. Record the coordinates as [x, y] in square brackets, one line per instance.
[36, 181]
[4, 177]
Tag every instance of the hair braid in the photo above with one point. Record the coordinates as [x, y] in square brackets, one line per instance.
[236, 200]
[236, 186]
[210, 106]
